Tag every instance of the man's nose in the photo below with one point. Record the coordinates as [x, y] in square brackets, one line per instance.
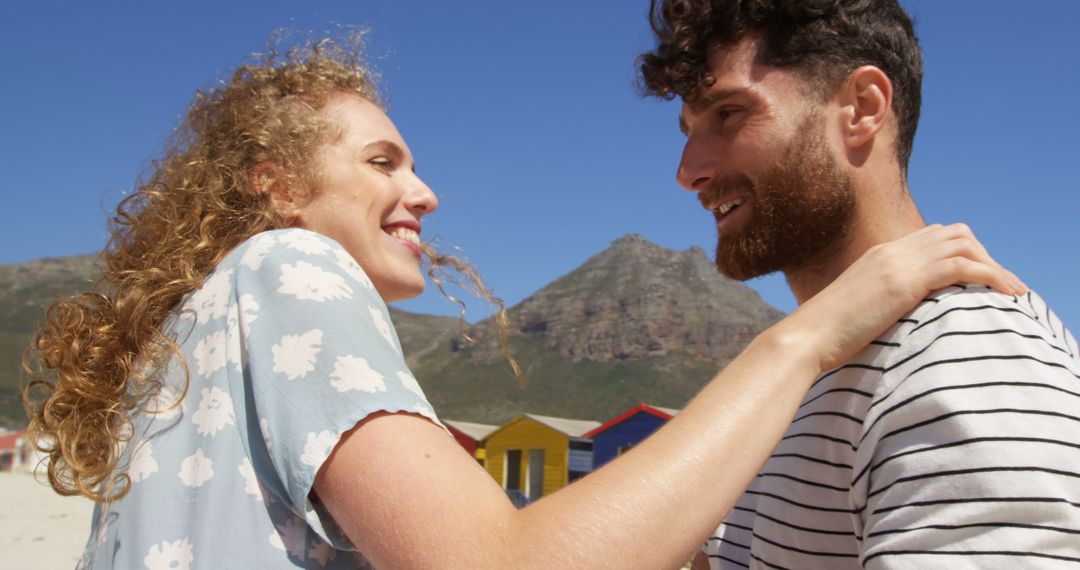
[698, 166]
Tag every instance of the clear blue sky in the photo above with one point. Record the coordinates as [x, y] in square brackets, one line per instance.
[524, 119]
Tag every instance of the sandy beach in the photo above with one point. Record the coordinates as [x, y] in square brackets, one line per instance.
[38, 528]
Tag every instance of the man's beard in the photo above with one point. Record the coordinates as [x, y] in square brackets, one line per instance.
[802, 208]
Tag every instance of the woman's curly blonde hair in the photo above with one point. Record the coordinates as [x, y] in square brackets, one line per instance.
[96, 357]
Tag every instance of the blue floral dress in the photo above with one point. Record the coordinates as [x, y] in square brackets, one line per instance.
[286, 346]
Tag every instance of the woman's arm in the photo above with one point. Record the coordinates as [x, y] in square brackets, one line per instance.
[409, 497]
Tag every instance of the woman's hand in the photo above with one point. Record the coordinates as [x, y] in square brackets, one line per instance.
[886, 283]
[396, 481]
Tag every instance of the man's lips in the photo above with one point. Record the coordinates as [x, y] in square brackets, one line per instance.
[725, 207]
[711, 201]
[729, 199]
[728, 211]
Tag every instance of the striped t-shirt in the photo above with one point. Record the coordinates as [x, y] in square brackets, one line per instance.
[953, 441]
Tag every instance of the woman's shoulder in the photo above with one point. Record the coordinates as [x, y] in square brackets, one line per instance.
[294, 247]
[285, 242]
[296, 255]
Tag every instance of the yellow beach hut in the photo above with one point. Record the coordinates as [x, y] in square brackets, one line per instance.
[470, 435]
[533, 456]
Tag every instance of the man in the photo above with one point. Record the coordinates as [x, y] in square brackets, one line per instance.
[954, 440]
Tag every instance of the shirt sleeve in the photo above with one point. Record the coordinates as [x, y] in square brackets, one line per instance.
[970, 451]
[321, 354]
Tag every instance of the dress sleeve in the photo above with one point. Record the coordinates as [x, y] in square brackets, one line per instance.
[970, 453]
[321, 354]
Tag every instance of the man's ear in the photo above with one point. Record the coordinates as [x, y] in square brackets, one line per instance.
[865, 100]
[270, 179]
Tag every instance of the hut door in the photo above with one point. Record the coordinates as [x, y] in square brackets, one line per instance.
[536, 474]
[513, 470]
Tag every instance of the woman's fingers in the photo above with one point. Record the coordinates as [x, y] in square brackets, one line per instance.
[905, 262]
[957, 242]
[945, 272]
[890, 279]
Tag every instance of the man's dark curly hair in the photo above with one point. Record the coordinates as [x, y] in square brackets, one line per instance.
[821, 40]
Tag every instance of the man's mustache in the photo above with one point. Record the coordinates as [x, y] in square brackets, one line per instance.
[712, 195]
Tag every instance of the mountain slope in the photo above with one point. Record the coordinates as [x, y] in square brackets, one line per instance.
[636, 322]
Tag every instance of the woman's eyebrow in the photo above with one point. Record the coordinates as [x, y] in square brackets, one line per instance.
[384, 144]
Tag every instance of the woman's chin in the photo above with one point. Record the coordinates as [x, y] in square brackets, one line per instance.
[391, 293]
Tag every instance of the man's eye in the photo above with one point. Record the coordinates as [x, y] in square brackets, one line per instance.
[727, 113]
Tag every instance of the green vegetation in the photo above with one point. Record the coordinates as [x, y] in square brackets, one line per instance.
[484, 390]
[635, 323]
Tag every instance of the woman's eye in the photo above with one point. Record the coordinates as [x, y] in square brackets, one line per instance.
[382, 163]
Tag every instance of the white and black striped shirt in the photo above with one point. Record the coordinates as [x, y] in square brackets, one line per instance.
[953, 441]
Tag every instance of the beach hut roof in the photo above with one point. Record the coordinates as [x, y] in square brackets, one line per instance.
[475, 431]
[572, 428]
[11, 440]
[658, 411]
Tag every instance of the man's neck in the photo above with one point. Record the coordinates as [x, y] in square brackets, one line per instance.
[876, 222]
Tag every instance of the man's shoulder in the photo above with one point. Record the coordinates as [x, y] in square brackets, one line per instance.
[953, 308]
[980, 317]
[960, 304]
[973, 425]
[967, 337]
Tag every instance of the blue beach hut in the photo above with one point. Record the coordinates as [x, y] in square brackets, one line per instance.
[624, 431]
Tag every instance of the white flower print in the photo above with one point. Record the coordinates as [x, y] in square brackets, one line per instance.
[165, 405]
[236, 348]
[252, 486]
[293, 537]
[354, 373]
[264, 427]
[349, 266]
[249, 310]
[257, 251]
[143, 463]
[123, 437]
[170, 556]
[212, 299]
[210, 353]
[321, 551]
[294, 356]
[318, 448]
[215, 411]
[196, 469]
[409, 381]
[305, 242]
[383, 326]
[309, 283]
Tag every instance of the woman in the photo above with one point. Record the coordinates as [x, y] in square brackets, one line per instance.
[234, 395]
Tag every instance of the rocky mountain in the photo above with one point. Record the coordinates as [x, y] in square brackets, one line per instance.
[636, 322]
[636, 299]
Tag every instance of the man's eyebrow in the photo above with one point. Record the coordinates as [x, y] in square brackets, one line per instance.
[708, 100]
[714, 96]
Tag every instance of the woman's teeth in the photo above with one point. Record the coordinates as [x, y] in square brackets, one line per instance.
[725, 208]
[405, 234]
